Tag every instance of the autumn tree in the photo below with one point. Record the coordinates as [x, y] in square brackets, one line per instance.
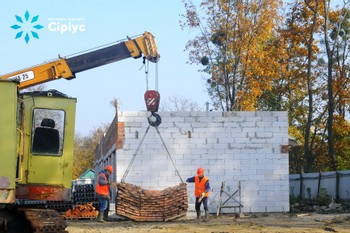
[303, 84]
[314, 119]
[337, 40]
[340, 36]
[256, 61]
[331, 45]
[178, 103]
[84, 147]
[235, 43]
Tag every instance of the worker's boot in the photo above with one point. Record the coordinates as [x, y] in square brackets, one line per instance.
[198, 215]
[100, 217]
[105, 216]
[206, 218]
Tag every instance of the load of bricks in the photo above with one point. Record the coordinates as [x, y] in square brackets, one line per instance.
[141, 205]
[84, 211]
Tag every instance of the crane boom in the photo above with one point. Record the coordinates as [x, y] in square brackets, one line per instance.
[67, 67]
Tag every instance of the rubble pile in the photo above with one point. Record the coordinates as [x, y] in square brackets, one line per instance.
[138, 204]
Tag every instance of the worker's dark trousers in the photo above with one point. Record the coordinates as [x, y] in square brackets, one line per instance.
[104, 204]
[205, 204]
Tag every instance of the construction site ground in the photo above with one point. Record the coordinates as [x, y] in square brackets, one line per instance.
[247, 223]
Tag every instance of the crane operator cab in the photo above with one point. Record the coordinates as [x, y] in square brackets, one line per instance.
[46, 122]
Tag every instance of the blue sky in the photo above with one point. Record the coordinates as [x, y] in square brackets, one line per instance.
[103, 22]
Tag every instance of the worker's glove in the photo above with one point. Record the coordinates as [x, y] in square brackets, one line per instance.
[113, 184]
[201, 197]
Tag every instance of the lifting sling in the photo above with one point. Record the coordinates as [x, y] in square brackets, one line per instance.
[138, 204]
[140, 144]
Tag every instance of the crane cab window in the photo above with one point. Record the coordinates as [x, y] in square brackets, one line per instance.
[47, 132]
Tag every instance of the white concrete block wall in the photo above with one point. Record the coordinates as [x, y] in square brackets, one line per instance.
[232, 147]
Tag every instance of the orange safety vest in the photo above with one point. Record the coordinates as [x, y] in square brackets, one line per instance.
[102, 189]
[200, 186]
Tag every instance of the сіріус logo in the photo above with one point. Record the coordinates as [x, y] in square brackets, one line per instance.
[26, 27]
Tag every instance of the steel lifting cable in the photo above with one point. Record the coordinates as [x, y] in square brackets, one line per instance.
[177, 171]
[134, 156]
[138, 148]
[156, 76]
[146, 65]
[147, 73]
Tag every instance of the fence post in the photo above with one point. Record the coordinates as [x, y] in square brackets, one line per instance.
[337, 183]
[319, 183]
[301, 187]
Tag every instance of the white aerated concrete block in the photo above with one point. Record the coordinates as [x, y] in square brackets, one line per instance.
[232, 147]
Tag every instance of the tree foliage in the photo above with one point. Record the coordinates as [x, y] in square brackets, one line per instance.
[84, 148]
[265, 55]
[237, 44]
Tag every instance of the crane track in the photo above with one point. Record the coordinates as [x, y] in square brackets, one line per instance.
[44, 220]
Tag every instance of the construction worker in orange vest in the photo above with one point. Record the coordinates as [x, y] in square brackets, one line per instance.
[201, 192]
[103, 192]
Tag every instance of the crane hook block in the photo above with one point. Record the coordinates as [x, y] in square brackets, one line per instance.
[152, 99]
[155, 123]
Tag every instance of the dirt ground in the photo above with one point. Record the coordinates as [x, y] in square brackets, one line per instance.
[247, 223]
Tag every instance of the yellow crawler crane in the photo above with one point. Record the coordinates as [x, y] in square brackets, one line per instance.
[37, 134]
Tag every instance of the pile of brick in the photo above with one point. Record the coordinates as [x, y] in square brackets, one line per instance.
[84, 211]
[141, 205]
